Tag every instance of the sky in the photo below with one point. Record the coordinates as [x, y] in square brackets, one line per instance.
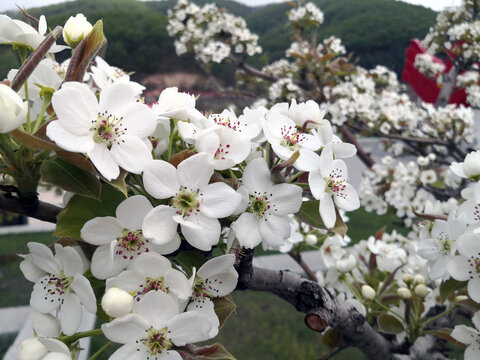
[10, 4]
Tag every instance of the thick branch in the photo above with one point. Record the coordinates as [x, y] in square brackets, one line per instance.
[40, 210]
[362, 154]
[322, 309]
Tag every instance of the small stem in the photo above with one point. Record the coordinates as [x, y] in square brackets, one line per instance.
[446, 312]
[295, 177]
[388, 309]
[102, 349]
[70, 339]
[40, 116]
[298, 259]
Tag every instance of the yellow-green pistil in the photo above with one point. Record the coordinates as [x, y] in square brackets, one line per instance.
[186, 201]
[157, 341]
[107, 128]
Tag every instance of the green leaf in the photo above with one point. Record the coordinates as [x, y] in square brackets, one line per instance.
[331, 338]
[447, 287]
[309, 214]
[33, 141]
[209, 352]
[80, 209]
[70, 178]
[389, 324]
[189, 260]
[224, 307]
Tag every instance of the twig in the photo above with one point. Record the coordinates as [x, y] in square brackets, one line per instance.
[298, 259]
[362, 154]
[39, 210]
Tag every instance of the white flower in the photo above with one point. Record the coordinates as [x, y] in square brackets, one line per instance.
[368, 293]
[328, 183]
[120, 240]
[154, 328]
[469, 336]
[75, 29]
[442, 246]
[40, 348]
[267, 207]
[59, 283]
[194, 203]
[470, 166]
[117, 302]
[345, 264]
[174, 104]
[466, 266]
[112, 132]
[13, 110]
[331, 250]
[152, 272]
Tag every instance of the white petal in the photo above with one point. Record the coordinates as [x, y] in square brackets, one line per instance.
[102, 159]
[84, 291]
[458, 268]
[168, 248]
[44, 324]
[223, 283]
[178, 284]
[200, 231]
[476, 320]
[42, 300]
[189, 327]
[138, 119]
[157, 307]
[275, 229]
[131, 154]
[216, 265]
[131, 351]
[464, 334]
[327, 211]
[219, 200]
[307, 161]
[132, 211]
[472, 352]
[159, 225]
[67, 140]
[54, 345]
[439, 267]
[116, 97]
[195, 172]
[256, 176]
[70, 260]
[43, 257]
[287, 198]
[347, 198]
[469, 245]
[101, 230]
[31, 272]
[160, 179]
[70, 314]
[103, 266]
[125, 329]
[152, 264]
[75, 106]
[474, 289]
[247, 230]
[317, 184]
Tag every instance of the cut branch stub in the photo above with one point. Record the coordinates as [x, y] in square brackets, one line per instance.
[315, 322]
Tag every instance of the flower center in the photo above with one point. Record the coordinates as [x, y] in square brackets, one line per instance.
[335, 184]
[201, 290]
[227, 122]
[222, 151]
[474, 263]
[186, 201]
[107, 128]
[259, 204]
[155, 284]
[56, 286]
[443, 243]
[291, 137]
[131, 243]
[157, 341]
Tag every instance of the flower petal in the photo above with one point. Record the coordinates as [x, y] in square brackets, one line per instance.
[275, 229]
[159, 225]
[474, 289]
[131, 154]
[84, 291]
[247, 230]
[152, 264]
[157, 307]
[101, 230]
[104, 266]
[464, 334]
[70, 314]
[458, 268]
[67, 140]
[219, 200]
[70, 260]
[132, 211]
[160, 179]
[327, 211]
[347, 198]
[195, 172]
[200, 231]
[128, 328]
[287, 198]
[256, 176]
[101, 157]
[189, 327]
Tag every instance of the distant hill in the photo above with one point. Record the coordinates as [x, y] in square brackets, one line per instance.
[376, 31]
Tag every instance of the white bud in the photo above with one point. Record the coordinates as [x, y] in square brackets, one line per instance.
[32, 349]
[407, 278]
[432, 156]
[368, 293]
[311, 239]
[419, 279]
[461, 298]
[117, 302]
[471, 164]
[404, 293]
[421, 290]
[75, 29]
[345, 265]
[13, 110]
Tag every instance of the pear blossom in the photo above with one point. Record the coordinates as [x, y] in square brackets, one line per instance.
[331, 250]
[471, 207]
[328, 183]
[194, 204]
[466, 265]
[266, 207]
[470, 167]
[154, 327]
[119, 239]
[285, 138]
[151, 272]
[59, 283]
[76, 28]
[442, 246]
[174, 104]
[39, 348]
[470, 337]
[13, 110]
[112, 132]
[117, 302]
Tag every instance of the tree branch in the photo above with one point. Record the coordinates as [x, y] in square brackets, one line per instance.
[322, 309]
[362, 154]
[39, 210]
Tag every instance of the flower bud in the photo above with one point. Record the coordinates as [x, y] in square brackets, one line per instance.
[471, 164]
[404, 293]
[117, 302]
[421, 290]
[368, 293]
[31, 349]
[75, 29]
[345, 265]
[311, 239]
[461, 298]
[419, 279]
[13, 110]
[407, 278]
